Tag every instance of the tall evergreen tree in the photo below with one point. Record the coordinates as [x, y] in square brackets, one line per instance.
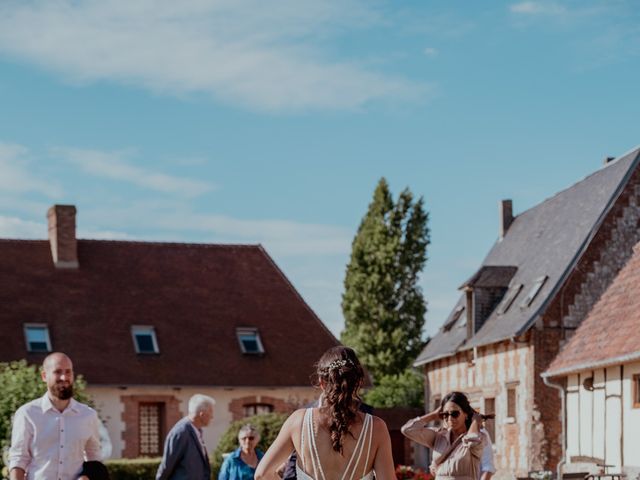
[382, 303]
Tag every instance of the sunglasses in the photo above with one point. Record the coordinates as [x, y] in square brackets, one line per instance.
[248, 438]
[453, 413]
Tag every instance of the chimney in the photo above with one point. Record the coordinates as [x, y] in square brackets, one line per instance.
[505, 210]
[62, 236]
[608, 159]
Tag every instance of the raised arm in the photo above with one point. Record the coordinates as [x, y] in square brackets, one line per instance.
[416, 428]
[280, 449]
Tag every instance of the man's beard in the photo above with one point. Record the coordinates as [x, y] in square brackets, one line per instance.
[62, 392]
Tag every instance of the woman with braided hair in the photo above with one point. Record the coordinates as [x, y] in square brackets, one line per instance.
[457, 446]
[334, 441]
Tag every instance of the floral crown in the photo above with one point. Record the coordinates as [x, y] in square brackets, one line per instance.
[338, 364]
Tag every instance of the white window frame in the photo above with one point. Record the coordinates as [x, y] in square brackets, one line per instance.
[44, 326]
[145, 329]
[533, 292]
[249, 331]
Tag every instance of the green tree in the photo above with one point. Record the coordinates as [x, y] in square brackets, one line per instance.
[404, 389]
[19, 384]
[382, 303]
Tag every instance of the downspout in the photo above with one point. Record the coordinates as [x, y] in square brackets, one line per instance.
[560, 388]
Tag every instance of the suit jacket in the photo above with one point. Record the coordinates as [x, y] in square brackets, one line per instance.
[183, 457]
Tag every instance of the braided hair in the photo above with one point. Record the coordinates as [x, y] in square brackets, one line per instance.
[341, 374]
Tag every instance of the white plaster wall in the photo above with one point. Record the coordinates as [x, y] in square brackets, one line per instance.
[586, 418]
[573, 420]
[110, 408]
[598, 414]
[614, 428]
[631, 418]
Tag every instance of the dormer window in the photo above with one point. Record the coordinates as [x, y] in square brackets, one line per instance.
[249, 340]
[508, 299]
[37, 337]
[535, 288]
[144, 339]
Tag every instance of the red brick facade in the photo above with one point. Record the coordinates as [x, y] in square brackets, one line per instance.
[130, 417]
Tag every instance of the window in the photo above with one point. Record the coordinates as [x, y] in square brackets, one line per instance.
[150, 422]
[535, 288]
[512, 402]
[249, 340]
[489, 425]
[144, 339]
[508, 299]
[37, 337]
[256, 409]
[636, 391]
[454, 318]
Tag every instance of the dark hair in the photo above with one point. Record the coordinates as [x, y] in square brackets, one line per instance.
[462, 401]
[340, 371]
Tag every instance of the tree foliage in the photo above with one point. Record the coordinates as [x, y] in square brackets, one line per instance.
[268, 424]
[402, 390]
[382, 303]
[19, 384]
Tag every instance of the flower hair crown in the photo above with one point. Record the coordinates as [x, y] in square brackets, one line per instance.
[338, 364]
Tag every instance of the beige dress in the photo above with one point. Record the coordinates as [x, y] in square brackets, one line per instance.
[464, 461]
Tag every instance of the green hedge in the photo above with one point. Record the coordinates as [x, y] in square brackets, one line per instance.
[133, 469]
[268, 424]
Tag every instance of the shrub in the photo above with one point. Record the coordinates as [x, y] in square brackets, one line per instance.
[403, 390]
[19, 384]
[269, 424]
[133, 469]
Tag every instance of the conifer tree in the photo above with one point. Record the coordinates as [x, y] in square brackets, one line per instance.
[382, 303]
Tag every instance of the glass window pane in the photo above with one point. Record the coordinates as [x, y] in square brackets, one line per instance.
[145, 343]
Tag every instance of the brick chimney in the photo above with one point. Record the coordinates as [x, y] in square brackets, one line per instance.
[62, 236]
[505, 210]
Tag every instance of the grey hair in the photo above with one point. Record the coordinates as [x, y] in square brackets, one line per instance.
[199, 403]
[248, 428]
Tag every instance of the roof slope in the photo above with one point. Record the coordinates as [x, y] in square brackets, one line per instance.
[544, 241]
[611, 332]
[194, 295]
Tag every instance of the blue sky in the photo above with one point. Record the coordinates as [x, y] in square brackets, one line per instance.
[271, 122]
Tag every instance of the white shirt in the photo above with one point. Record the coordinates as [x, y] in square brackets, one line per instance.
[486, 461]
[50, 445]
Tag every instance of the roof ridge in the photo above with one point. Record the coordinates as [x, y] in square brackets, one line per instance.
[584, 179]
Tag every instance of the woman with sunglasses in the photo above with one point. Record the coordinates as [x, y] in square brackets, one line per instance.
[241, 463]
[457, 446]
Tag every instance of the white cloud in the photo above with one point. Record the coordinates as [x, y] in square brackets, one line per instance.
[112, 165]
[537, 8]
[13, 227]
[18, 173]
[431, 52]
[246, 52]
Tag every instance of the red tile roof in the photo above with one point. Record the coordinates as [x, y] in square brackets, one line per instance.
[610, 334]
[194, 295]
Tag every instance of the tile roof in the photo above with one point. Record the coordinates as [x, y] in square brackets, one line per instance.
[610, 334]
[195, 296]
[544, 241]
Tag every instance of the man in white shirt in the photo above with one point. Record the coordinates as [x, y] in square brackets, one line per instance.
[54, 434]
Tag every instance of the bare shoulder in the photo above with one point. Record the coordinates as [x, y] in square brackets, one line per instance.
[379, 426]
[295, 419]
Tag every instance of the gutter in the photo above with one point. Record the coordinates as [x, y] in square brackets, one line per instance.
[560, 388]
[609, 362]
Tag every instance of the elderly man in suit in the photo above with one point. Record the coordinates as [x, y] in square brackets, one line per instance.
[185, 455]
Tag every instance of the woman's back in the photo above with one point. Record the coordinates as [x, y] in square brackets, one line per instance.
[318, 460]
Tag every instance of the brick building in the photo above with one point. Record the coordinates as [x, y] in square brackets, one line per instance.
[599, 372]
[543, 275]
[150, 324]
